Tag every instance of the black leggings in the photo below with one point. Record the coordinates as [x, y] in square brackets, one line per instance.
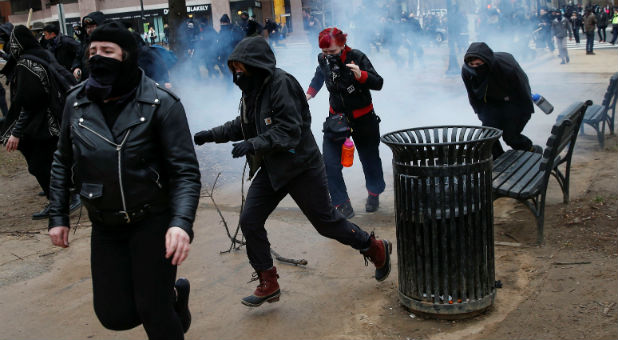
[132, 282]
[39, 154]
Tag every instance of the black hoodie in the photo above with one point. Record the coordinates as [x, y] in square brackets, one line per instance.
[506, 85]
[280, 129]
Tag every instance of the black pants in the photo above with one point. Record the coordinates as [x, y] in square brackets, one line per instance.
[602, 33]
[309, 190]
[614, 34]
[576, 34]
[132, 282]
[589, 41]
[512, 123]
[39, 154]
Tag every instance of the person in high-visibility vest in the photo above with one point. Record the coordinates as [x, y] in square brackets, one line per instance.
[615, 26]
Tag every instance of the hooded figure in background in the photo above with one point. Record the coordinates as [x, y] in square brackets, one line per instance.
[499, 92]
[273, 131]
[31, 126]
[89, 23]
[9, 66]
[125, 145]
[151, 62]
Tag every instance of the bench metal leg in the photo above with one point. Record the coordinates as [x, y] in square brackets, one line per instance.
[537, 207]
[563, 181]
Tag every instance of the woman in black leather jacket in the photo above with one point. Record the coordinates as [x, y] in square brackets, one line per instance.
[126, 146]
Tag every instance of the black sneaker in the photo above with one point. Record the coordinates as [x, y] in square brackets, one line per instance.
[537, 149]
[76, 202]
[42, 193]
[182, 302]
[43, 214]
[373, 202]
[346, 210]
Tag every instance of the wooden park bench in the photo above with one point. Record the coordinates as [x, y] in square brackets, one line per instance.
[597, 116]
[524, 175]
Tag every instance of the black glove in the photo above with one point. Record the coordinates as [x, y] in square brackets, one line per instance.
[241, 149]
[203, 137]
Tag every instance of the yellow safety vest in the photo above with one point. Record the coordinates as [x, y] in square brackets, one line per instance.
[615, 19]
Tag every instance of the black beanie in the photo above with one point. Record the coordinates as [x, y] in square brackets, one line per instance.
[225, 19]
[116, 33]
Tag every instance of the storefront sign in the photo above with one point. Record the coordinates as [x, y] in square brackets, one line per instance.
[192, 9]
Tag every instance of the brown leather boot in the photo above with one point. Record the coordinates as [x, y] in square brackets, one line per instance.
[379, 253]
[266, 291]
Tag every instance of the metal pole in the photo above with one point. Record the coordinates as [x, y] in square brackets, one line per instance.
[141, 4]
[61, 21]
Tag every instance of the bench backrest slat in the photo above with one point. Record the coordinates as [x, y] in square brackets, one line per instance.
[564, 133]
[609, 99]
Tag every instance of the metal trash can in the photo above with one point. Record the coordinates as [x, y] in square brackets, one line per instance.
[444, 216]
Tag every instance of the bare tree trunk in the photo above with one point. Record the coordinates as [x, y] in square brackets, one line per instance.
[176, 17]
[452, 35]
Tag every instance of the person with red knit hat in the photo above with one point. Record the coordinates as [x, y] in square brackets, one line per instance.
[349, 78]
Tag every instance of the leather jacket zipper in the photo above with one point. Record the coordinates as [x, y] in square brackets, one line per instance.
[119, 150]
[158, 177]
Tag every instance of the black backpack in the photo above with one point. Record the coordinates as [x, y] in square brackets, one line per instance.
[60, 81]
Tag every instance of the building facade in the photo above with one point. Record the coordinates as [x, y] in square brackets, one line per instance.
[154, 14]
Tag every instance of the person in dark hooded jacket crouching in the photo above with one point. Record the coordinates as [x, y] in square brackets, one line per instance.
[499, 92]
[274, 132]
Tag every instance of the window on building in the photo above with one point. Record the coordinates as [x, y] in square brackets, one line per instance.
[22, 6]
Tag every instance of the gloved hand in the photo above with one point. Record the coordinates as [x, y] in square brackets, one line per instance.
[202, 137]
[241, 149]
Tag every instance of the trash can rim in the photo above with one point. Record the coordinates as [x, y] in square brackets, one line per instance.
[498, 135]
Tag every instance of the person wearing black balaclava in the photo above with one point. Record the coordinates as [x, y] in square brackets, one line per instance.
[125, 145]
[89, 24]
[273, 131]
[499, 92]
[31, 126]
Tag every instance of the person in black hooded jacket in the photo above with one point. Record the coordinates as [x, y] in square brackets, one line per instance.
[31, 126]
[89, 24]
[499, 92]
[274, 128]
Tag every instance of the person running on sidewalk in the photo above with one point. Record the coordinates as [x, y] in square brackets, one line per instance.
[499, 93]
[126, 145]
[349, 78]
[274, 131]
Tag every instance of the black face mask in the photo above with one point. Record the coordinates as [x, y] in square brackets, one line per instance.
[243, 81]
[103, 73]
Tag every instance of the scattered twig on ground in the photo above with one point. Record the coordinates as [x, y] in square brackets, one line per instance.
[238, 243]
[569, 263]
[20, 232]
[508, 244]
[19, 257]
[286, 260]
[511, 237]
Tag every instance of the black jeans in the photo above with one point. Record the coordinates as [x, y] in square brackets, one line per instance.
[366, 136]
[310, 192]
[602, 33]
[511, 123]
[589, 41]
[39, 155]
[132, 282]
[614, 34]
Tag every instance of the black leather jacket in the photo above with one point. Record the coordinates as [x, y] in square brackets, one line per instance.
[147, 159]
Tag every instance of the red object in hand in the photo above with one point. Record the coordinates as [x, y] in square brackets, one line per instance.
[347, 153]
